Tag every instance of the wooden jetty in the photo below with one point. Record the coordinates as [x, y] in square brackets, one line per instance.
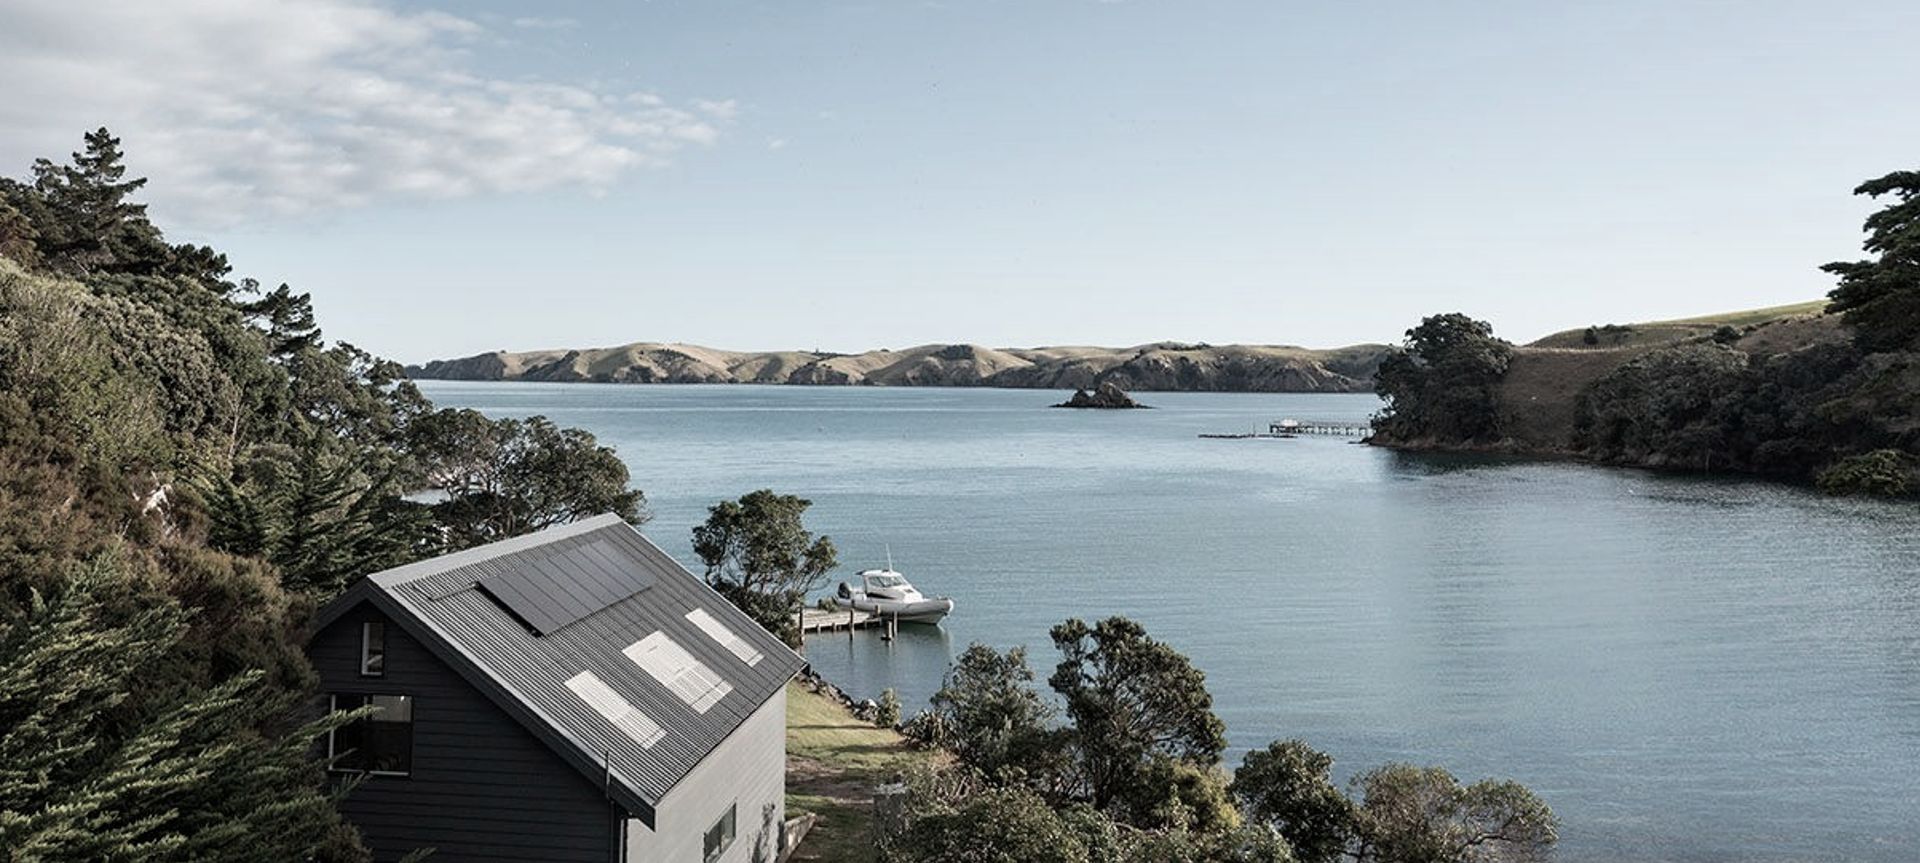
[814, 619]
[1293, 428]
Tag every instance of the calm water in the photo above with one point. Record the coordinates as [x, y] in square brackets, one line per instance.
[1685, 669]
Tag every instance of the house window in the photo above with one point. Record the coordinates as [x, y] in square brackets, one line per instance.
[381, 744]
[720, 835]
[373, 649]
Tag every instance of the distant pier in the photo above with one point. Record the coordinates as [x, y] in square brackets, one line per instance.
[1293, 428]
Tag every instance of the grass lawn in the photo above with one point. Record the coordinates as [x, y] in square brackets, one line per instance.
[833, 762]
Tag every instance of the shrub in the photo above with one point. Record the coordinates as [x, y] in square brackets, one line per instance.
[887, 714]
[1883, 472]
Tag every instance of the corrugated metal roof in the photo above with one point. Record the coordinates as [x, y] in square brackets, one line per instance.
[560, 573]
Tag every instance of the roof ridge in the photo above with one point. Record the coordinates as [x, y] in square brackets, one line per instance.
[500, 548]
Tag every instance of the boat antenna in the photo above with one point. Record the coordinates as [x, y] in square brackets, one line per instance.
[889, 556]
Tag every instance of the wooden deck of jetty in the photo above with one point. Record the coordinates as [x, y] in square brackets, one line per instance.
[821, 620]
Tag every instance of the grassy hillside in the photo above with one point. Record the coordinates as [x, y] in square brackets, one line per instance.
[1663, 332]
[1539, 395]
[834, 760]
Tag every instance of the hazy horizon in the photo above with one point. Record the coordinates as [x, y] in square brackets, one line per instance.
[450, 179]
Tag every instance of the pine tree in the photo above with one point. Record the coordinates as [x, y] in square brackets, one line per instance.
[90, 224]
[1881, 297]
[91, 770]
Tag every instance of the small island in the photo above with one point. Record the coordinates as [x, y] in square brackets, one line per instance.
[1109, 396]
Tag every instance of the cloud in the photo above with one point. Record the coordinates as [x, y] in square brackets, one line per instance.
[777, 144]
[239, 109]
[545, 23]
[726, 109]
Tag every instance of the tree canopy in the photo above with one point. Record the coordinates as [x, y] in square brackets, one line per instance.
[1441, 384]
[759, 554]
[1129, 773]
[1880, 297]
[995, 721]
[1289, 787]
[1131, 700]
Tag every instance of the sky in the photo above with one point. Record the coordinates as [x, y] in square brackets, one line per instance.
[448, 179]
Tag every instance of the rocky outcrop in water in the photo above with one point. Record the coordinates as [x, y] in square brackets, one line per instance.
[1106, 397]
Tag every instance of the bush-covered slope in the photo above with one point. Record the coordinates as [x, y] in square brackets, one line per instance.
[187, 469]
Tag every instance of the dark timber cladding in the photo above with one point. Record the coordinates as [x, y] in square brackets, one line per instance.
[551, 593]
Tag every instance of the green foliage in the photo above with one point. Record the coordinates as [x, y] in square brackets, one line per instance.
[1705, 406]
[1236, 845]
[1670, 408]
[760, 555]
[91, 771]
[1134, 777]
[185, 470]
[887, 712]
[1880, 298]
[1180, 795]
[507, 477]
[83, 218]
[1882, 473]
[1441, 385]
[57, 361]
[996, 722]
[320, 519]
[996, 825]
[1132, 701]
[1423, 815]
[1289, 787]
[17, 234]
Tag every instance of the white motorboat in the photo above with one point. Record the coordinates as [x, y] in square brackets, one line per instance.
[889, 594]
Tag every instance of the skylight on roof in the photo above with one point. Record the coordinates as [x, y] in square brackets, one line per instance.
[720, 633]
[677, 670]
[608, 703]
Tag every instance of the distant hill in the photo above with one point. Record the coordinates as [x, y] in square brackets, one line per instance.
[1163, 366]
[1664, 332]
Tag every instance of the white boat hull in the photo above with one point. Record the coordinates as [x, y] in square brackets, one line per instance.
[917, 611]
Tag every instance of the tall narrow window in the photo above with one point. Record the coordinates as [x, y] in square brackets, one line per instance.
[373, 649]
[720, 835]
[381, 744]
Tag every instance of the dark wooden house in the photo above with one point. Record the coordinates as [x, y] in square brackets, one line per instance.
[570, 695]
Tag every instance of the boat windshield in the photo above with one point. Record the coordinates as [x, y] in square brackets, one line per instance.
[886, 580]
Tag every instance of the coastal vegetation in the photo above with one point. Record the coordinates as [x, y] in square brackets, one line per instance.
[1823, 393]
[187, 469]
[1123, 764]
[761, 557]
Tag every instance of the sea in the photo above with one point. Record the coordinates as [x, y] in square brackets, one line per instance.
[1685, 668]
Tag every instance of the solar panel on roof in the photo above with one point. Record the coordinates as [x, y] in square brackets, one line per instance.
[549, 591]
